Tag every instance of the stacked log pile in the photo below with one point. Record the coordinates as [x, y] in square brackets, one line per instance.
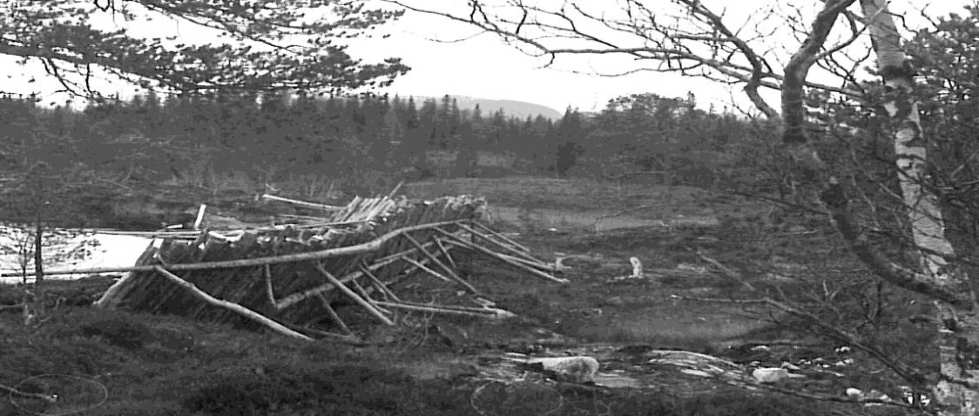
[289, 279]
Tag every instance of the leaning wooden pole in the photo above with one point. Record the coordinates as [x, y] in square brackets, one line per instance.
[451, 273]
[304, 204]
[353, 295]
[465, 244]
[501, 236]
[512, 250]
[333, 314]
[234, 307]
[295, 298]
[493, 313]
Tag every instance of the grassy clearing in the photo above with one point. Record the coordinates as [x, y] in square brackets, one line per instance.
[583, 205]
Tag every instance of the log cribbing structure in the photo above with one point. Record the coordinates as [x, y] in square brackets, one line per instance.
[292, 280]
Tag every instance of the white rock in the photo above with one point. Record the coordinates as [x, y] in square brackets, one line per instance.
[857, 394]
[577, 369]
[772, 374]
[790, 366]
[879, 395]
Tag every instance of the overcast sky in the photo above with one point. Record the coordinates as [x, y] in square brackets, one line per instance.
[486, 67]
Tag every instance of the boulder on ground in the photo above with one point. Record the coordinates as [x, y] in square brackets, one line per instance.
[577, 369]
[772, 374]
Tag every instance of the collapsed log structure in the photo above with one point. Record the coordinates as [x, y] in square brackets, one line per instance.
[290, 279]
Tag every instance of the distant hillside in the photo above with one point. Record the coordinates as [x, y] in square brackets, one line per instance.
[520, 109]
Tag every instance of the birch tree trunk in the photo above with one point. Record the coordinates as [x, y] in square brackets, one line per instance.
[957, 391]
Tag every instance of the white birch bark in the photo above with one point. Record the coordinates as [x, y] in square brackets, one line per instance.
[958, 329]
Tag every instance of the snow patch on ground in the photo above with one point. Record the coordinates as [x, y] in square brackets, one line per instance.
[67, 249]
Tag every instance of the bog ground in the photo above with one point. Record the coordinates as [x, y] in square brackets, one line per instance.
[433, 365]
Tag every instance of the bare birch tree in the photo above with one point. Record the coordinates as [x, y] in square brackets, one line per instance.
[690, 38]
[958, 321]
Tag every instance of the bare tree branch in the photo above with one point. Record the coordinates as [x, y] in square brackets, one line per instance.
[797, 70]
[837, 204]
[905, 371]
[685, 37]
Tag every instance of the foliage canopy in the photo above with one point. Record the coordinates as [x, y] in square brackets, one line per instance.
[245, 45]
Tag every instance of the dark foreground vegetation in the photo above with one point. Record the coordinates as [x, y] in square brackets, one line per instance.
[154, 365]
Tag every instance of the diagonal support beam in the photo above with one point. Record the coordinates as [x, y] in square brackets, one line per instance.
[445, 252]
[463, 243]
[377, 282]
[508, 248]
[352, 295]
[234, 307]
[452, 274]
[333, 313]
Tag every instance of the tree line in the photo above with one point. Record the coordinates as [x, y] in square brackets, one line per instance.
[274, 137]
